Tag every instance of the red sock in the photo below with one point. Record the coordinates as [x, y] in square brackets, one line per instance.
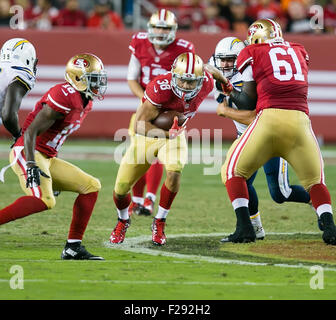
[237, 188]
[22, 207]
[122, 203]
[166, 197]
[82, 211]
[153, 177]
[139, 187]
[319, 195]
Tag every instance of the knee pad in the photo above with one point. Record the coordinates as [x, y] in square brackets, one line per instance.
[94, 185]
[122, 188]
[49, 201]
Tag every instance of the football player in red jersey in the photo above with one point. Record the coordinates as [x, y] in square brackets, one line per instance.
[56, 115]
[153, 53]
[275, 75]
[183, 90]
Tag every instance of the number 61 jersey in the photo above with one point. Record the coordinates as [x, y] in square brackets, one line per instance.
[280, 71]
[62, 98]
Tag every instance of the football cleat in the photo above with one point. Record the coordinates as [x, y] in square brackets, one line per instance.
[260, 232]
[75, 251]
[134, 208]
[119, 232]
[158, 235]
[329, 228]
[147, 208]
[56, 193]
[243, 234]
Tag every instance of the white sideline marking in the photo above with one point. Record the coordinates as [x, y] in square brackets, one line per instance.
[134, 245]
[160, 282]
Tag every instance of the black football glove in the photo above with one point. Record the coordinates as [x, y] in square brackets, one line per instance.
[33, 176]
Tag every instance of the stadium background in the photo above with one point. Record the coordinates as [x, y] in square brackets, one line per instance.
[56, 46]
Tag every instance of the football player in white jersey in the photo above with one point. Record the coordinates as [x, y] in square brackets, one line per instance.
[17, 77]
[276, 169]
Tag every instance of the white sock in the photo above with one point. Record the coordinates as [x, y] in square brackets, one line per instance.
[255, 219]
[150, 195]
[73, 240]
[162, 213]
[123, 214]
[138, 200]
[324, 208]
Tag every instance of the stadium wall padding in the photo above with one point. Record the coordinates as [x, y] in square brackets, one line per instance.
[54, 48]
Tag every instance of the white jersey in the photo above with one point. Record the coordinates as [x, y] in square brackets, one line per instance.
[237, 83]
[11, 72]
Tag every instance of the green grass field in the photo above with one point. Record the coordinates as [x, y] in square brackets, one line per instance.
[193, 265]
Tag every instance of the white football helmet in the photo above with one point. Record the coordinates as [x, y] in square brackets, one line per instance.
[162, 19]
[227, 48]
[187, 67]
[19, 51]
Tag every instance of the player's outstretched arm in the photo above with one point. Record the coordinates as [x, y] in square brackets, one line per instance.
[14, 95]
[241, 116]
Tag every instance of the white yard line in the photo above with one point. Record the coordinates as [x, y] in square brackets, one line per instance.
[134, 245]
[160, 282]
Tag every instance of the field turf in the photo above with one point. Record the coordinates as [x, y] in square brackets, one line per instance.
[193, 265]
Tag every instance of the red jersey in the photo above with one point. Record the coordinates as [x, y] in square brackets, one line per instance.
[160, 94]
[65, 99]
[152, 63]
[281, 73]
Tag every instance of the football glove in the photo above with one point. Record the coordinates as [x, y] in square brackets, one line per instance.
[227, 88]
[175, 129]
[33, 176]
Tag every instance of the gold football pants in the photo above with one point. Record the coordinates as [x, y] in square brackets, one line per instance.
[173, 153]
[64, 176]
[277, 133]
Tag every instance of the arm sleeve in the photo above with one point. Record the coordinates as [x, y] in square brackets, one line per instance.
[155, 94]
[134, 68]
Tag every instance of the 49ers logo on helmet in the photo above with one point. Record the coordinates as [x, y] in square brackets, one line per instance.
[253, 29]
[81, 62]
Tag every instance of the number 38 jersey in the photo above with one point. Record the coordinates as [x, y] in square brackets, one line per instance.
[152, 62]
[160, 94]
[64, 99]
[281, 73]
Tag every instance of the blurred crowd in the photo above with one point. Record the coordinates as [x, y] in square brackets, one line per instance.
[295, 16]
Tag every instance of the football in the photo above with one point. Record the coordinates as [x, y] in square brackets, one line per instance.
[165, 119]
